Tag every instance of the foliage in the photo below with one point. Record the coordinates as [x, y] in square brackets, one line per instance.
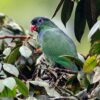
[86, 11]
[89, 64]
[27, 74]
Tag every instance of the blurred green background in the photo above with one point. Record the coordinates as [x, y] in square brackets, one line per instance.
[22, 11]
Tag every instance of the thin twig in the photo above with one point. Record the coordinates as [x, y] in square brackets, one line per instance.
[15, 36]
[65, 70]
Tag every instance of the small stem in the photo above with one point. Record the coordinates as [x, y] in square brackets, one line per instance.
[65, 70]
[15, 36]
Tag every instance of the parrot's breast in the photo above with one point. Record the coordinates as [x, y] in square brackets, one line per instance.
[54, 43]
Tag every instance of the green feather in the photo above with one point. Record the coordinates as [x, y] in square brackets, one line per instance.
[55, 43]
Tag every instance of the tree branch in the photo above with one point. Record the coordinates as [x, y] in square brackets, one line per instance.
[15, 36]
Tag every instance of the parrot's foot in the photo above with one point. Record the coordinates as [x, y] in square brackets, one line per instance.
[38, 50]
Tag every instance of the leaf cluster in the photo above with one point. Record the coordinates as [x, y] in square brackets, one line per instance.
[26, 74]
[85, 11]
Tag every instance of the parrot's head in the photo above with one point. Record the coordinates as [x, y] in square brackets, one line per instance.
[39, 23]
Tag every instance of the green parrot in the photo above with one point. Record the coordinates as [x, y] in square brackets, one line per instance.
[54, 42]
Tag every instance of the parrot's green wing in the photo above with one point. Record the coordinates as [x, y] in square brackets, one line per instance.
[67, 63]
[55, 43]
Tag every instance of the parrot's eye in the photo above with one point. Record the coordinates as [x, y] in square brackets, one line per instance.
[40, 21]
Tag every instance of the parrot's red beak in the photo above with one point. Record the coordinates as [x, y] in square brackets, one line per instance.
[33, 28]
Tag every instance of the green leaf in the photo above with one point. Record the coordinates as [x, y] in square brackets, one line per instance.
[25, 51]
[94, 34]
[76, 1]
[14, 27]
[11, 69]
[80, 20]
[82, 78]
[22, 87]
[58, 7]
[8, 92]
[13, 56]
[90, 64]
[2, 17]
[95, 49]
[98, 7]
[91, 13]
[95, 37]
[67, 10]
